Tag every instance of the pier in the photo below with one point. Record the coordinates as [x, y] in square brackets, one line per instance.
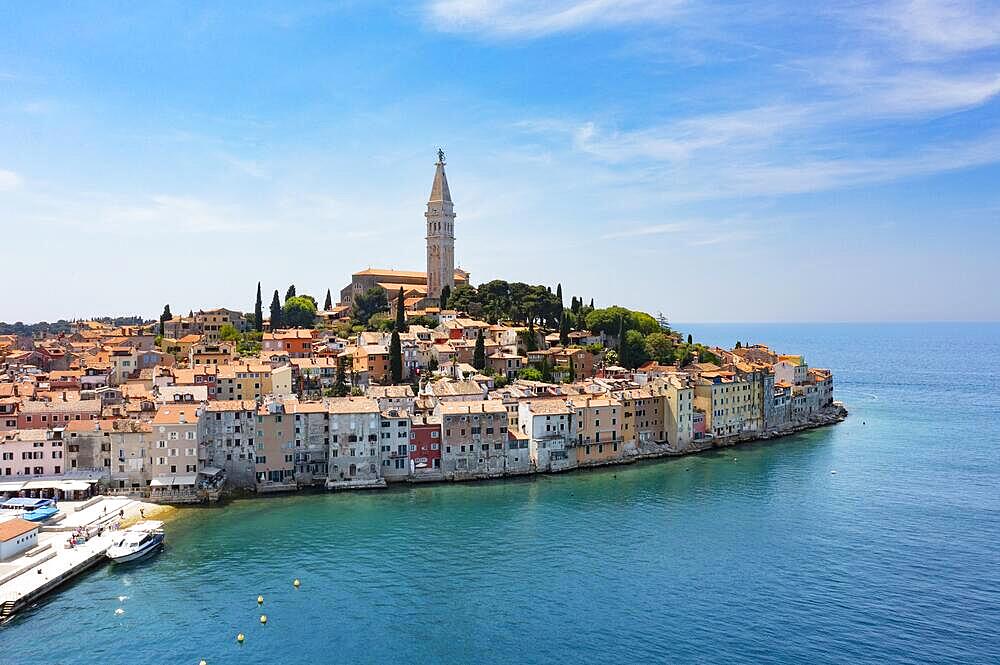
[29, 576]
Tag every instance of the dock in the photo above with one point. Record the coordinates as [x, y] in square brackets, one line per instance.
[29, 576]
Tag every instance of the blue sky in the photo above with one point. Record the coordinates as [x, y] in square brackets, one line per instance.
[742, 161]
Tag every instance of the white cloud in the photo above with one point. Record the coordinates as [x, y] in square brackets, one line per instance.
[527, 18]
[250, 167]
[651, 230]
[933, 29]
[9, 180]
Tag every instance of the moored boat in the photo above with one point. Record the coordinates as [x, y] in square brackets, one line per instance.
[137, 542]
[40, 514]
[31, 509]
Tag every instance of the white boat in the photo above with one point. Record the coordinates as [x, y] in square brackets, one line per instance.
[137, 541]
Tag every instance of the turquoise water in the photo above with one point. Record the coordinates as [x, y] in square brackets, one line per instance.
[753, 554]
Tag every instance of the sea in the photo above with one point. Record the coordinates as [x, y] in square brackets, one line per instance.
[873, 541]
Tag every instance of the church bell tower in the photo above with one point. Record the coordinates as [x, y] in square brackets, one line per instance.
[440, 234]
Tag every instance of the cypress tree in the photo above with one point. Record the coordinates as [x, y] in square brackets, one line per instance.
[445, 296]
[275, 311]
[738, 344]
[340, 382]
[479, 355]
[290, 293]
[564, 329]
[166, 316]
[258, 312]
[559, 293]
[328, 303]
[621, 342]
[400, 313]
[395, 358]
[591, 304]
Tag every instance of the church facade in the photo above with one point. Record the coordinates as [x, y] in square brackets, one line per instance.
[420, 289]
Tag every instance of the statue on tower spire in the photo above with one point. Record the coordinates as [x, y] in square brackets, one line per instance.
[440, 156]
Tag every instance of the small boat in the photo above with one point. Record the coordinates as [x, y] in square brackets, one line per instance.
[40, 514]
[33, 510]
[137, 541]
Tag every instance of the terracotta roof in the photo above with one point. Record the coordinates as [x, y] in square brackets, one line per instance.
[459, 408]
[352, 405]
[546, 407]
[232, 405]
[11, 529]
[171, 415]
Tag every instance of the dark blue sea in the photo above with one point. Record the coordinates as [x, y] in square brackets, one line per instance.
[755, 554]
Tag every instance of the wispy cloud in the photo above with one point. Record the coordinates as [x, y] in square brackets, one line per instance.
[512, 19]
[9, 180]
[250, 167]
[934, 29]
[650, 230]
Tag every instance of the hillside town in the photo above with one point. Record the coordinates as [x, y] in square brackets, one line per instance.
[407, 377]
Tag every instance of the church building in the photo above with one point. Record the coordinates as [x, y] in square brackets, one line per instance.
[420, 289]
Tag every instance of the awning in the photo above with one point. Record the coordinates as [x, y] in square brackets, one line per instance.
[74, 486]
[174, 481]
[12, 487]
[211, 471]
[41, 484]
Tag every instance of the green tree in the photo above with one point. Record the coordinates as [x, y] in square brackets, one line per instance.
[494, 296]
[479, 355]
[275, 311]
[250, 343]
[400, 312]
[396, 357]
[445, 297]
[367, 304]
[229, 333]
[684, 356]
[381, 322]
[643, 322]
[258, 312]
[340, 380]
[704, 355]
[564, 328]
[164, 317]
[328, 303]
[423, 320]
[529, 374]
[546, 370]
[290, 293]
[607, 321]
[299, 312]
[633, 349]
[559, 293]
[689, 338]
[660, 347]
[528, 339]
[739, 345]
[465, 299]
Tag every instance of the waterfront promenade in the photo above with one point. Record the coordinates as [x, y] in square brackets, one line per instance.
[27, 577]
